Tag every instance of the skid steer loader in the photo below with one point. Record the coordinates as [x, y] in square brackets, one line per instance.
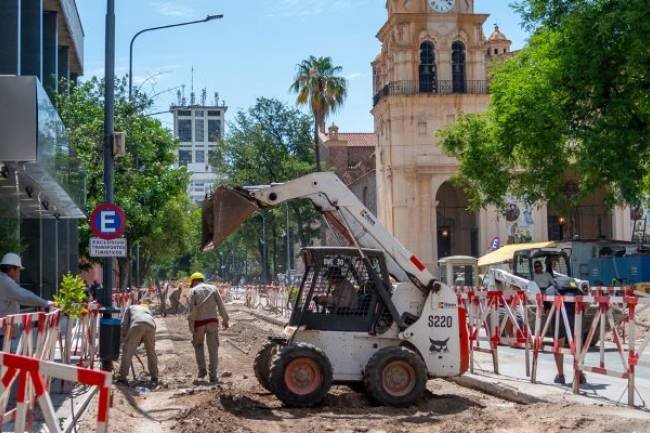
[369, 314]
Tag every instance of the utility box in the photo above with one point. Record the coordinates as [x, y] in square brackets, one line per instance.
[109, 336]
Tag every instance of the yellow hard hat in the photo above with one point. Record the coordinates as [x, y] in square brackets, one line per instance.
[197, 276]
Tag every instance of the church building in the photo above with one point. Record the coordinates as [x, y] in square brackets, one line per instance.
[433, 66]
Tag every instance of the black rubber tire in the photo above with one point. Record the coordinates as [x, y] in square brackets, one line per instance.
[373, 376]
[262, 364]
[284, 358]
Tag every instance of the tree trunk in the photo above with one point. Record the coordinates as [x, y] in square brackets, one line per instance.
[123, 266]
[316, 144]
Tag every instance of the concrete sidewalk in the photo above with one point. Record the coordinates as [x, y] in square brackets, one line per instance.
[599, 389]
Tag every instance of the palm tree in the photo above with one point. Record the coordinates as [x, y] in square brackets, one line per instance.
[319, 86]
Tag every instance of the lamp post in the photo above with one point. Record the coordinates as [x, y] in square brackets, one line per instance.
[204, 20]
[106, 342]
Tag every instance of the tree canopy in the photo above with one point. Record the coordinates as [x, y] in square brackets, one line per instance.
[267, 143]
[572, 106]
[148, 188]
[319, 86]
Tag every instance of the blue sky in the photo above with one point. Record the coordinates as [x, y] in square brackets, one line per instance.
[253, 51]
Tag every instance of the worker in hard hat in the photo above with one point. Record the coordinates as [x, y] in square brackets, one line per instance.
[138, 326]
[12, 296]
[205, 307]
[175, 297]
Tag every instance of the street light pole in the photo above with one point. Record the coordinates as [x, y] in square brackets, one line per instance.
[109, 100]
[204, 20]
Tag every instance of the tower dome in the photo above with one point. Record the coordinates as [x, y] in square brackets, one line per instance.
[498, 43]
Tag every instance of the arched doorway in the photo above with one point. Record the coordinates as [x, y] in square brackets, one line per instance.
[457, 228]
[591, 219]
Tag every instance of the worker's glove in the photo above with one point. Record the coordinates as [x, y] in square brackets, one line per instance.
[226, 325]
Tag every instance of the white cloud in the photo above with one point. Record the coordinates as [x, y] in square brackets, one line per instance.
[172, 9]
[296, 8]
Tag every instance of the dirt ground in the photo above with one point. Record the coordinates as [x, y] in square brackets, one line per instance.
[240, 405]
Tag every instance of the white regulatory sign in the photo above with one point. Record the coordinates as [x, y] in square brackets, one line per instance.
[107, 248]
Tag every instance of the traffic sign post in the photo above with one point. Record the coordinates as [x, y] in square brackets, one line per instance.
[108, 223]
[108, 248]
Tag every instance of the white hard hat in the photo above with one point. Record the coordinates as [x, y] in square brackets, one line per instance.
[12, 259]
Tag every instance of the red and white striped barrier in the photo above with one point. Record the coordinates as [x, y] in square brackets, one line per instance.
[551, 315]
[33, 376]
[32, 334]
[84, 337]
[558, 317]
[270, 298]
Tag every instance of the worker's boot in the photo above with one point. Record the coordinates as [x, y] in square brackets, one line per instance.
[214, 379]
[559, 379]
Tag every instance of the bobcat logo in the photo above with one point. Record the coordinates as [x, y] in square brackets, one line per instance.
[439, 346]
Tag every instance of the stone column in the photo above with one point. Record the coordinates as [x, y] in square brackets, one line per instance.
[621, 223]
[541, 223]
[10, 37]
[31, 31]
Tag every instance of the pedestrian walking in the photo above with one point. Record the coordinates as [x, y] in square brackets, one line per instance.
[138, 326]
[175, 298]
[205, 307]
[12, 296]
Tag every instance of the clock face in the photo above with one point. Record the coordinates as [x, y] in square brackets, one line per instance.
[442, 6]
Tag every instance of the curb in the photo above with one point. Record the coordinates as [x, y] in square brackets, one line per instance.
[496, 389]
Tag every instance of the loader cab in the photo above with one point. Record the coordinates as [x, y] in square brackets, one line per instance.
[554, 260]
[337, 292]
[459, 271]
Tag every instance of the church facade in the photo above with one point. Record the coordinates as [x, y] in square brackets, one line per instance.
[433, 66]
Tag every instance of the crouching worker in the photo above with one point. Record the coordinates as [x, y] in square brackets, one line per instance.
[205, 307]
[138, 326]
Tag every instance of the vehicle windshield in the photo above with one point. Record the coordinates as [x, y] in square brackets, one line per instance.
[463, 275]
[556, 264]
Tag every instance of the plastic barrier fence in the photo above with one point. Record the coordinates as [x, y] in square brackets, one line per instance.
[33, 375]
[558, 328]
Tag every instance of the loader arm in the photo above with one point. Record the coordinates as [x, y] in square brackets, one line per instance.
[228, 208]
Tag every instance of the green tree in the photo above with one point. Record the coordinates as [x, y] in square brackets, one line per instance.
[319, 86]
[268, 143]
[150, 191]
[574, 103]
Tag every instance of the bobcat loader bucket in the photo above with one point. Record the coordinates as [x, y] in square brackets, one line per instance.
[223, 213]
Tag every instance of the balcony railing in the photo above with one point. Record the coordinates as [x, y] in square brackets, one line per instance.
[440, 87]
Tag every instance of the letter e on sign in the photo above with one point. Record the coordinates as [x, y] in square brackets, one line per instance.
[107, 221]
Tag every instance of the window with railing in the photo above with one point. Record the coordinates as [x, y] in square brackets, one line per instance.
[458, 67]
[427, 73]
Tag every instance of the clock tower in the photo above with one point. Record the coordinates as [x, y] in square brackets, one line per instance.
[432, 67]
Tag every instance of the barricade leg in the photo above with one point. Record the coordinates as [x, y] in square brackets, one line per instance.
[632, 355]
[524, 303]
[577, 355]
